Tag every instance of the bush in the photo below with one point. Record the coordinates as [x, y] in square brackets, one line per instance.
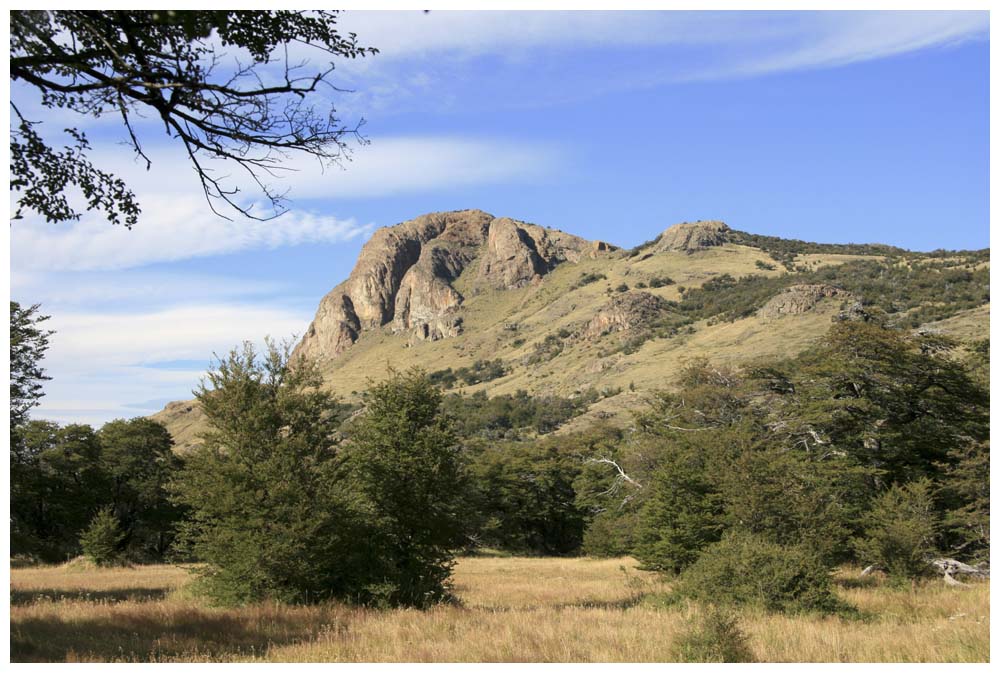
[901, 531]
[715, 636]
[747, 569]
[660, 281]
[103, 538]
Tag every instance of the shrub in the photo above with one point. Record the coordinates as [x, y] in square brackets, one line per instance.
[746, 569]
[715, 636]
[760, 264]
[103, 538]
[588, 278]
[901, 531]
[660, 281]
[622, 288]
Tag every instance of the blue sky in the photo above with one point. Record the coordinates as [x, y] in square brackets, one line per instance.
[838, 127]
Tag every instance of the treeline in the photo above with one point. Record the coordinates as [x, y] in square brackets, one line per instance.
[62, 477]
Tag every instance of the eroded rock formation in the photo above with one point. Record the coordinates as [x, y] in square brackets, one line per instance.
[404, 275]
[800, 299]
[691, 237]
[625, 312]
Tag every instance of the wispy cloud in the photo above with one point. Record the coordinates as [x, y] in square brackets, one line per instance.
[104, 364]
[173, 228]
[425, 57]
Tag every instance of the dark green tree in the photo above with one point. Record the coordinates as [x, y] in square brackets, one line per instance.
[137, 462]
[172, 65]
[103, 540]
[270, 511]
[525, 493]
[406, 465]
[901, 530]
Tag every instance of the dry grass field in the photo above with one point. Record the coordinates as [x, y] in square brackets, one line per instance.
[511, 610]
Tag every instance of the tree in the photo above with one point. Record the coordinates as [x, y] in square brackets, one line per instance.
[271, 512]
[525, 493]
[171, 64]
[404, 460]
[901, 531]
[103, 539]
[28, 343]
[137, 462]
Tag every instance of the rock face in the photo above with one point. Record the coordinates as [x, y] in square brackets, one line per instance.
[692, 237]
[628, 311]
[518, 253]
[404, 274]
[799, 299]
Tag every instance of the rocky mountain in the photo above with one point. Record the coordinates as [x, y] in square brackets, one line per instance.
[566, 315]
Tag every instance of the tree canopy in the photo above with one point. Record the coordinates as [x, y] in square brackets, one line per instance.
[222, 82]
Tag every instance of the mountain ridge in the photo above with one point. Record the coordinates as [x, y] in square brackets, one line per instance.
[565, 315]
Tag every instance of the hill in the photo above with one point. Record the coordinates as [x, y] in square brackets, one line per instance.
[498, 305]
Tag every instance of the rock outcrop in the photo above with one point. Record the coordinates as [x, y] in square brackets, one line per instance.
[404, 274]
[800, 299]
[691, 237]
[625, 312]
[518, 253]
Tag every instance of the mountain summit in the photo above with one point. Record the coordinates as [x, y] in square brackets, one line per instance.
[404, 275]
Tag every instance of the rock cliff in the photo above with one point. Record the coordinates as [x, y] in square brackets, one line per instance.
[625, 312]
[404, 275]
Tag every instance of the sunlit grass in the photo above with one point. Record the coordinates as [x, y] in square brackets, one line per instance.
[510, 609]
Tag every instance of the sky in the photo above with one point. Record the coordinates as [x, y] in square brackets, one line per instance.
[822, 126]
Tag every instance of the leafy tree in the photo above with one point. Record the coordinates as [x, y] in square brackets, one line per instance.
[525, 491]
[901, 530]
[964, 494]
[28, 343]
[138, 462]
[270, 512]
[170, 64]
[56, 486]
[896, 402]
[102, 540]
[405, 462]
[743, 568]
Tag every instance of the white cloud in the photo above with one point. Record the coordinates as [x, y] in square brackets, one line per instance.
[172, 228]
[800, 39]
[94, 358]
[841, 38]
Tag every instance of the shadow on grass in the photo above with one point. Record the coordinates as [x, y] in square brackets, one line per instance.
[19, 597]
[153, 635]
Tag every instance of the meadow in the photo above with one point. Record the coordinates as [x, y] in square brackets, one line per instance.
[509, 609]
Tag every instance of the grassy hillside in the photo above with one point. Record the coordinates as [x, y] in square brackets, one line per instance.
[536, 332]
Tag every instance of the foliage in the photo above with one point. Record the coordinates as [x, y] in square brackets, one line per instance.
[715, 636]
[404, 461]
[171, 64]
[509, 416]
[28, 343]
[909, 294]
[901, 530]
[524, 493]
[660, 281]
[743, 568]
[588, 278]
[481, 371]
[545, 350]
[137, 462]
[102, 540]
[270, 512]
[964, 495]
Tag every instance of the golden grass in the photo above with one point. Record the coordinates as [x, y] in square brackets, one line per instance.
[511, 609]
